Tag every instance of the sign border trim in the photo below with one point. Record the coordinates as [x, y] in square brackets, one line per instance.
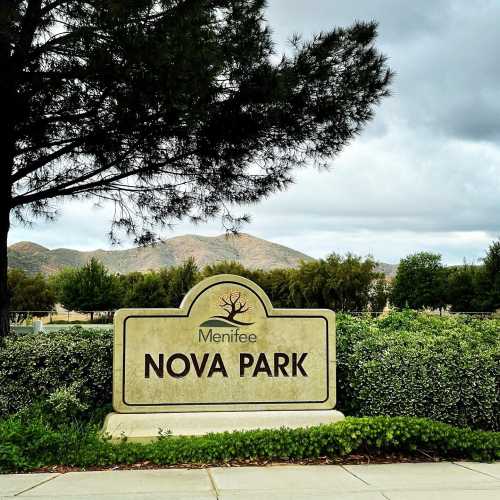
[231, 402]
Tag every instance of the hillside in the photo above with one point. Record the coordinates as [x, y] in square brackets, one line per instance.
[250, 251]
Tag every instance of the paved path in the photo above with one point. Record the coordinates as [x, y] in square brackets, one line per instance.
[428, 481]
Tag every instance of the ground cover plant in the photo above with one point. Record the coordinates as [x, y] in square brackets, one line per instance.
[29, 441]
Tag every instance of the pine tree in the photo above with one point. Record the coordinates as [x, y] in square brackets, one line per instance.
[167, 109]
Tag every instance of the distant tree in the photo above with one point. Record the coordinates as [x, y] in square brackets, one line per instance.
[277, 285]
[229, 267]
[420, 282]
[339, 283]
[30, 293]
[379, 294]
[178, 280]
[462, 288]
[89, 288]
[143, 290]
[57, 280]
[275, 282]
[127, 282]
[489, 279]
[168, 109]
[309, 285]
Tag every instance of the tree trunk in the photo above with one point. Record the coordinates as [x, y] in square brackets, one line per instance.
[8, 105]
[4, 289]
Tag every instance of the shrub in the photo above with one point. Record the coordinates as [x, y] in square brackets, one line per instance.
[406, 363]
[26, 444]
[67, 403]
[35, 366]
[447, 369]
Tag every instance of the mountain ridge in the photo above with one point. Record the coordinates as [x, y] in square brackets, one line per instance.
[248, 250]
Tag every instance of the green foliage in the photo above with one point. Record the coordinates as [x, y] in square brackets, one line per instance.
[34, 367]
[230, 267]
[179, 280]
[27, 443]
[447, 369]
[379, 294]
[29, 293]
[462, 289]
[88, 288]
[143, 290]
[164, 288]
[489, 279]
[338, 283]
[67, 403]
[277, 284]
[420, 282]
[406, 363]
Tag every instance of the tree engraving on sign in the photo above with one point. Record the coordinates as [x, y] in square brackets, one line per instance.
[234, 303]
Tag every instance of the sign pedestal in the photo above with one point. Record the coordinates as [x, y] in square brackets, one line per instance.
[225, 360]
[145, 427]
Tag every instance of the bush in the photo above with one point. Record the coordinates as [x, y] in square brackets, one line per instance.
[66, 404]
[446, 369]
[31, 443]
[406, 363]
[35, 366]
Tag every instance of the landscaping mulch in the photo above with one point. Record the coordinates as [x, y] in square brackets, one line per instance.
[354, 459]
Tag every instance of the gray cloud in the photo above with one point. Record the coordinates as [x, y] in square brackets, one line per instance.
[424, 175]
[445, 54]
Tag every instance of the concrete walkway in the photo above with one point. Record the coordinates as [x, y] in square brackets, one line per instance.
[428, 481]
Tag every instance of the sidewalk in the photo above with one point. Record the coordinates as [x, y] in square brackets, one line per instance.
[428, 481]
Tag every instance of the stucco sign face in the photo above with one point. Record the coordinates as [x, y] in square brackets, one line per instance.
[225, 348]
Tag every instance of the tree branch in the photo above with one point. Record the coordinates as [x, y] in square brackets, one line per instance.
[51, 6]
[28, 29]
[40, 162]
[73, 189]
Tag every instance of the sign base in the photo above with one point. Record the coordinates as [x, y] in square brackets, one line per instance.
[145, 427]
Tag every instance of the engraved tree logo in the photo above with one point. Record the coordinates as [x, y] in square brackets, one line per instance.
[233, 304]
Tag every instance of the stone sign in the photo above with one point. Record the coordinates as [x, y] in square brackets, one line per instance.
[225, 349]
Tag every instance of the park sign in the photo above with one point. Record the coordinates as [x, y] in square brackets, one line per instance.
[225, 349]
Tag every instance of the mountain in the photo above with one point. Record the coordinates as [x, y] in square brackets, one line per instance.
[250, 251]
[388, 269]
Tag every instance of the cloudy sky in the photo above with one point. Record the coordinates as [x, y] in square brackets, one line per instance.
[424, 175]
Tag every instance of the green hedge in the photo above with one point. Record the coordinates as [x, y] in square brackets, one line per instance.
[446, 369]
[34, 366]
[27, 444]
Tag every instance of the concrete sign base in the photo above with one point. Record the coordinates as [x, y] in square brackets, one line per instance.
[145, 427]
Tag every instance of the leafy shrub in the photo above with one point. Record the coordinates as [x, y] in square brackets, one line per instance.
[67, 403]
[35, 366]
[26, 444]
[406, 363]
[446, 369]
